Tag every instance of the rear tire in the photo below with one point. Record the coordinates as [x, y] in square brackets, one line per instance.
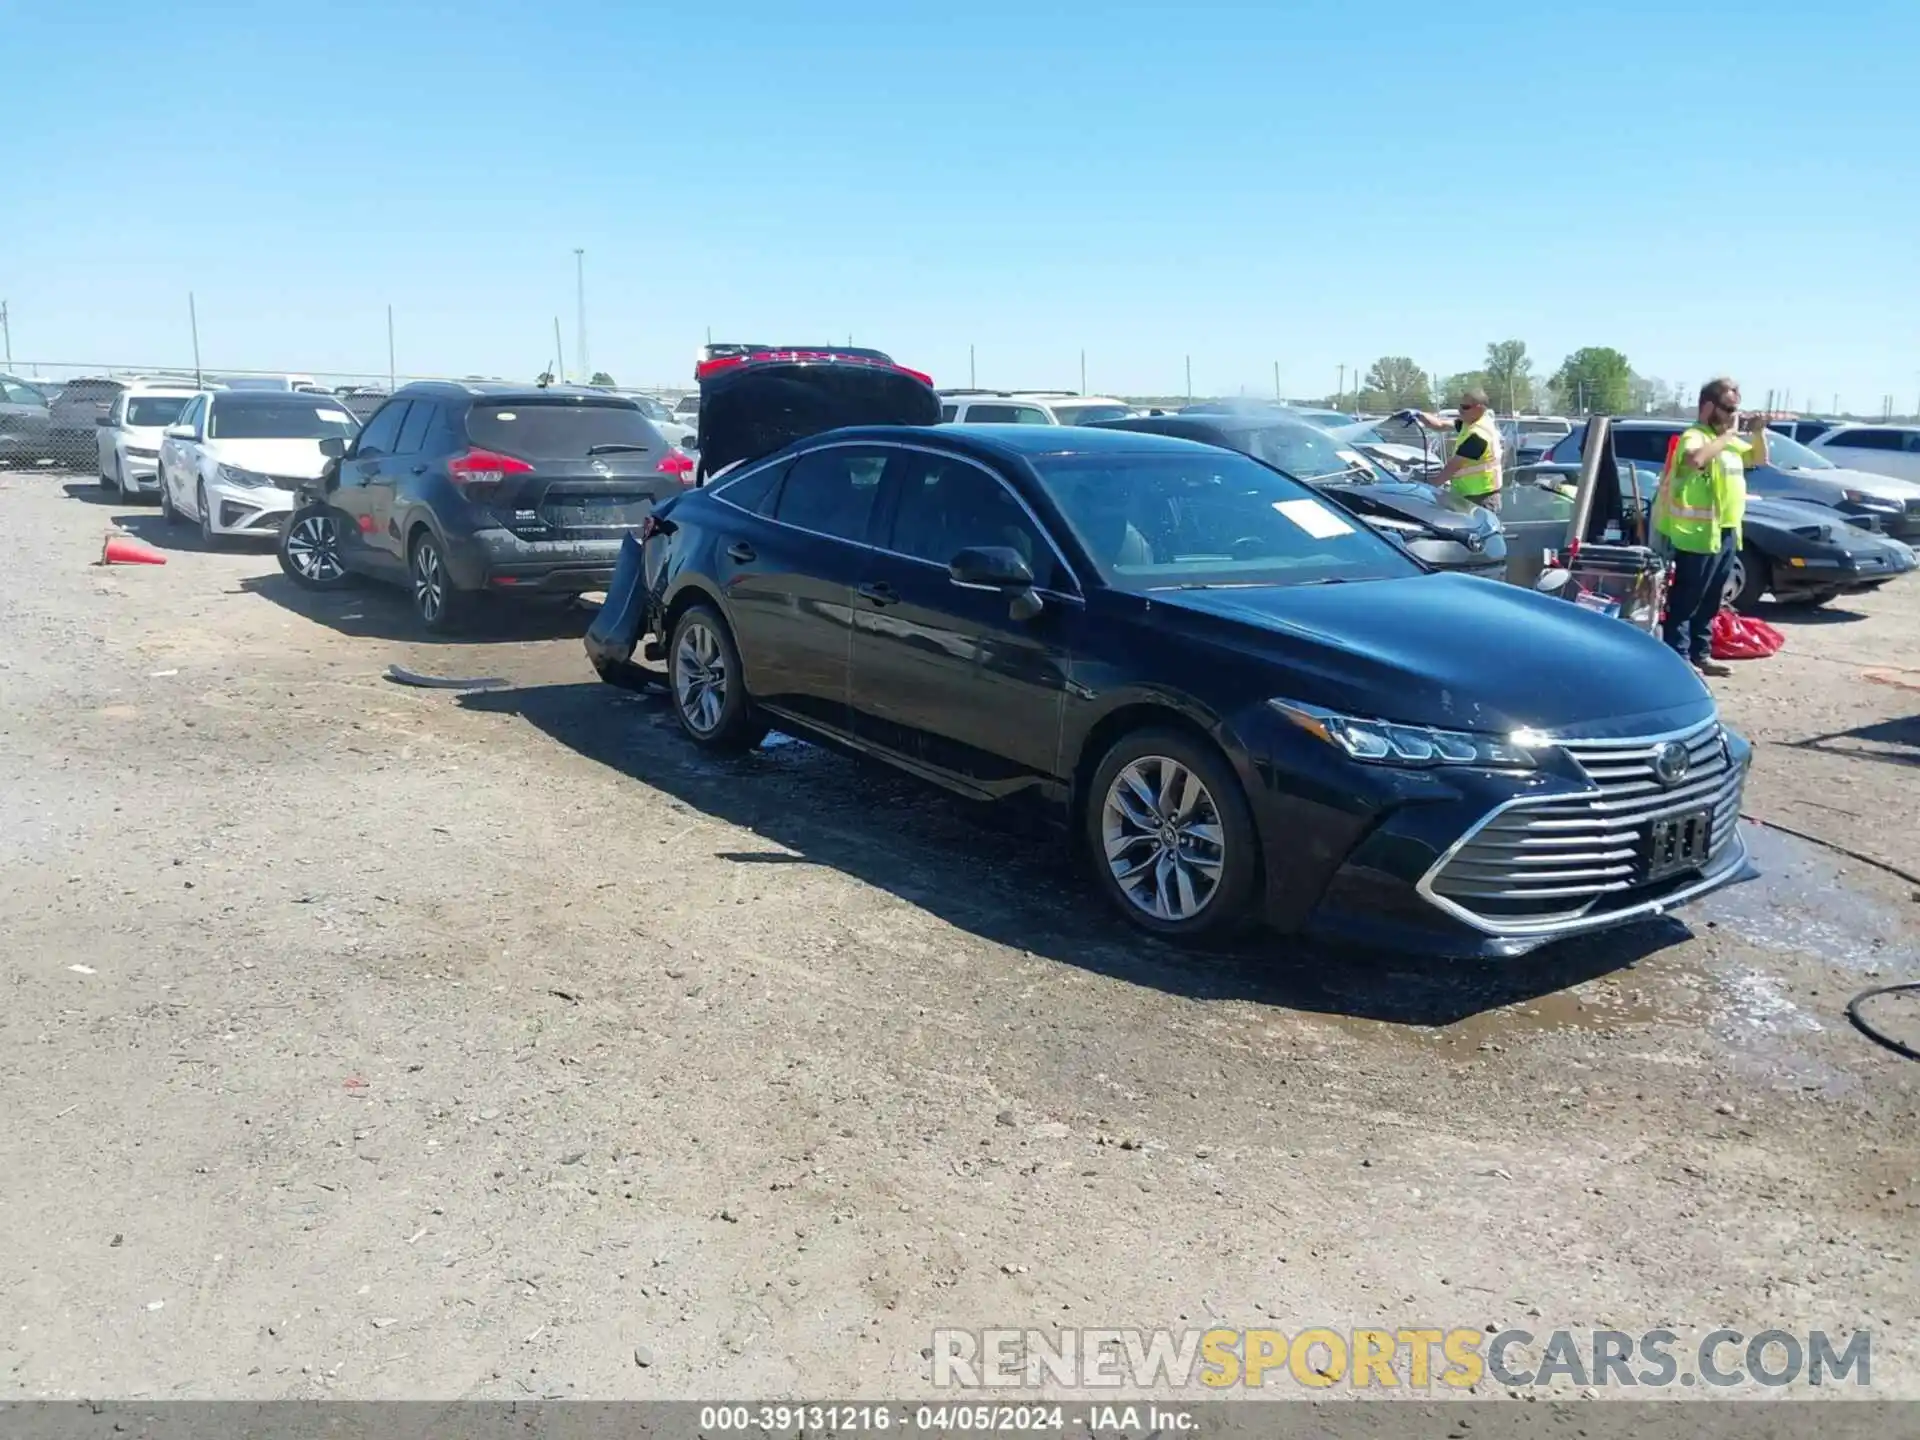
[208, 537]
[1171, 837]
[439, 607]
[704, 680]
[1751, 578]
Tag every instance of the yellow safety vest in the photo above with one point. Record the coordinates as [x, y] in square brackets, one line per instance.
[1695, 505]
[1479, 477]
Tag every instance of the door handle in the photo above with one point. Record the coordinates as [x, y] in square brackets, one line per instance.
[741, 551]
[419, 469]
[879, 593]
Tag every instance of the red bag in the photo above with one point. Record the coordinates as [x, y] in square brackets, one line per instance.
[1741, 637]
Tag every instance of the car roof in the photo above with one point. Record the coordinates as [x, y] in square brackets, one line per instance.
[276, 397]
[1029, 441]
[505, 390]
[1869, 425]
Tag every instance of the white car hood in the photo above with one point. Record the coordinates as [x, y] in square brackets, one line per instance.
[294, 459]
[1884, 487]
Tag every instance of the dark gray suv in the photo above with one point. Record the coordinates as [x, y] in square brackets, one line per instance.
[455, 489]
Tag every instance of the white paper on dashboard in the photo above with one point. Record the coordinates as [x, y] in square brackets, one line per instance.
[1314, 518]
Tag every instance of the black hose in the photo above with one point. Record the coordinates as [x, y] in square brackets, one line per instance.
[1866, 1028]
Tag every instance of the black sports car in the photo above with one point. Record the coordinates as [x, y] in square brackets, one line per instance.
[1242, 700]
[1441, 529]
[1800, 554]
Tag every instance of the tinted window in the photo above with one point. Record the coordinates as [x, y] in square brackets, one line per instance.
[383, 430]
[750, 492]
[832, 491]
[1567, 450]
[92, 391]
[947, 505]
[195, 414]
[1209, 517]
[947, 413]
[155, 410]
[1087, 414]
[1787, 453]
[1006, 415]
[1305, 452]
[414, 431]
[537, 429]
[17, 394]
[1867, 439]
[288, 417]
[1646, 445]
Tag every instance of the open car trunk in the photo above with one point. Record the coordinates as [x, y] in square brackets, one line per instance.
[751, 407]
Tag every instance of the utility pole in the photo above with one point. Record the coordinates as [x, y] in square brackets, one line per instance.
[559, 351]
[1189, 379]
[6, 331]
[1836, 402]
[390, 378]
[580, 302]
[1341, 394]
[193, 319]
[1083, 372]
[973, 381]
[1276, 382]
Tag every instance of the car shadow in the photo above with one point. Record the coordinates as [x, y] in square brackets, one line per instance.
[1902, 734]
[1775, 613]
[371, 611]
[92, 492]
[184, 535]
[1004, 874]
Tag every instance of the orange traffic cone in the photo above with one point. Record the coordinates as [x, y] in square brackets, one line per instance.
[125, 550]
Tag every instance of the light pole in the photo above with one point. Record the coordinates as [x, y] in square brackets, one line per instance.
[580, 301]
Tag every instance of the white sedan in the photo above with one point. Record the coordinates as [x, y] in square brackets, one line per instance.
[237, 459]
[130, 435]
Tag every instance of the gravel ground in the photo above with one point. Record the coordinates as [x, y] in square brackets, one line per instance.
[376, 1042]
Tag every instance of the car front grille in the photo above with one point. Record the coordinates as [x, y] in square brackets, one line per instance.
[1531, 865]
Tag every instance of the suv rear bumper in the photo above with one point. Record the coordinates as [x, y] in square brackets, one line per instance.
[500, 561]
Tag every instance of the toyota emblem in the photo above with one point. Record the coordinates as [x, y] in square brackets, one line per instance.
[1670, 763]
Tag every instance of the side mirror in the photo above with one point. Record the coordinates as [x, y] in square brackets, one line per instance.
[334, 447]
[999, 568]
[179, 432]
[104, 420]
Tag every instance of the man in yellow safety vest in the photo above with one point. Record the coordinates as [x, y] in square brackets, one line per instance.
[1474, 465]
[1702, 500]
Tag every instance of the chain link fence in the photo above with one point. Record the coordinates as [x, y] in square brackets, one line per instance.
[60, 415]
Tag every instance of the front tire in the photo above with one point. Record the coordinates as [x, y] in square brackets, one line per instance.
[1750, 580]
[1171, 837]
[709, 693]
[208, 537]
[439, 607]
[309, 550]
[167, 513]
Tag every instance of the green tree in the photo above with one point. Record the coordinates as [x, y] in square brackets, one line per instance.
[1395, 383]
[1509, 376]
[601, 377]
[1458, 385]
[1595, 380]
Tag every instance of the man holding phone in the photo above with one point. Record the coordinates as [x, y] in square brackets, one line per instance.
[1702, 501]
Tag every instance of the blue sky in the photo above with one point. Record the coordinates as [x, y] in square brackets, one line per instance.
[1313, 184]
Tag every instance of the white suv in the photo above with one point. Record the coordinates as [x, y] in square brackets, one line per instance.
[130, 432]
[1028, 407]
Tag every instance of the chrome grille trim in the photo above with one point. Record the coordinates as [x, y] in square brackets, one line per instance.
[1565, 855]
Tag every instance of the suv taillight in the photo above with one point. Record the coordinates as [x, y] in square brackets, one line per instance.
[677, 464]
[478, 473]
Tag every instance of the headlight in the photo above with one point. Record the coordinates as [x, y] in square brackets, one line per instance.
[1877, 502]
[1383, 743]
[234, 475]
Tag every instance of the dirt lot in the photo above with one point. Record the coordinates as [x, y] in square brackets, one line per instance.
[381, 1042]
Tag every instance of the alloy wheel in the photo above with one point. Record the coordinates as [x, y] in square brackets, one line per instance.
[700, 677]
[313, 548]
[1736, 582]
[429, 582]
[1164, 840]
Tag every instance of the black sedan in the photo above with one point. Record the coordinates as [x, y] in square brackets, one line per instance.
[1443, 530]
[1244, 702]
[1800, 554]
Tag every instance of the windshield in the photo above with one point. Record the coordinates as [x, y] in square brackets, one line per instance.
[1155, 521]
[155, 411]
[1786, 453]
[1306, 452]
[1087, 414]
[294, 417]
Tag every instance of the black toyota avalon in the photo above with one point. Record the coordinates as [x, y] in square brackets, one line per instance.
[1244, 702]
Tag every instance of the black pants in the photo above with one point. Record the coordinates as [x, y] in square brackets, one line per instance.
[1698, 582]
